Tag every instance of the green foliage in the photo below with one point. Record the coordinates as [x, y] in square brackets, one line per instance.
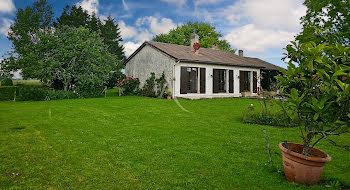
[77, 58]
[326, 14]
[208, 36]
[60, 95]
[318, 89]
[113, 79]
[129, 85]
[31, 93]
[7, 93]
[6, 82]
[269, 114]
[24, 34]
[148, 89]
[161, 86]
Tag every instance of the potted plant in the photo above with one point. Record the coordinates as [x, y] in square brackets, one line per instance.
[168, 93]
[318, 94]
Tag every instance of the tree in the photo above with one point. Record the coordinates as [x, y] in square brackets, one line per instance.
[208, 36]
[73, 17]
[24, 35]
[77, 17]
[77, 57]
[317, 87]
[326, 14]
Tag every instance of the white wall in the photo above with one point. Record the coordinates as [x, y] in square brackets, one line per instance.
[209, 80]
[151, 60]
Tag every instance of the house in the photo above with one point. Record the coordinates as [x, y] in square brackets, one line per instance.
[198, 73]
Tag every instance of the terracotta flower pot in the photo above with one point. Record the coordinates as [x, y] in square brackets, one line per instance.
[300, 168]
[168, 97]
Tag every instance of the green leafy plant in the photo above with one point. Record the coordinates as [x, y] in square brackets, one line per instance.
[7, 93]
[161, 86]
[317, 88]
[7, 82]
[149, 87]
[31, 93]
[129, 85]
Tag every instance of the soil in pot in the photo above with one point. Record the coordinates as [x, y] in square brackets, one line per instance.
[300, 168]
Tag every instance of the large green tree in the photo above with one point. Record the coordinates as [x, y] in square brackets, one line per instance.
[332, 15]
[208, 36]
[24, 35]
[77, 57]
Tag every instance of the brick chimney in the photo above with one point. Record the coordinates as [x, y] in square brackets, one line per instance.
[194, 39]
[240, 53]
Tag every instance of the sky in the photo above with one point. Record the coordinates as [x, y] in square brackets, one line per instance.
[261, 28]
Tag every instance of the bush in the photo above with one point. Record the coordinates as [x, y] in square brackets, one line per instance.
[6, 82]
[30, 92]
[155, 87]
[60, 95]
[148, 88]
[113, 78]
[130, 86]
[7, 93]
[272, 119]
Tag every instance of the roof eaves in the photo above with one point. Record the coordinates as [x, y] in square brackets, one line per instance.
[217, 63]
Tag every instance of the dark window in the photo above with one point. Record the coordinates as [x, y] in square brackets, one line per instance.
[255, 82]
[202, 80]
[219, 80]
[188, 80]
[230, 79]
[244, 81]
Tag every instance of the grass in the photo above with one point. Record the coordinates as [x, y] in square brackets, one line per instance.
[144, 143]
[27, 82]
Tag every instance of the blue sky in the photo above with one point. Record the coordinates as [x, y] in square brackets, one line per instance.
[262, 28]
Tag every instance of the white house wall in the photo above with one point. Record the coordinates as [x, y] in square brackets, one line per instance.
[209, 80]
[149, 60]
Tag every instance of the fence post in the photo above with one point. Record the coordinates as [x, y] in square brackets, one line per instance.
[268, 147]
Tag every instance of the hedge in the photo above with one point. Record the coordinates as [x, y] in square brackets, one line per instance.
[7, 93]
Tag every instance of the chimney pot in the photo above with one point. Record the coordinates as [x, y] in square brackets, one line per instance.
[194, 39]
[240, 53]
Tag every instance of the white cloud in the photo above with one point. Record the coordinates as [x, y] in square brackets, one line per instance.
[5, 26]
[146, 28]
[179, 3]
[126, 32]
[125, 5]
[161, 26]
[130, 47]
[277, 14]
[205, 2]
[254, 39]
[7, 6]
[91, 6]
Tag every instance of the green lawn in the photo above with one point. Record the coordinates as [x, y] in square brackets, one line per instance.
[144, 143]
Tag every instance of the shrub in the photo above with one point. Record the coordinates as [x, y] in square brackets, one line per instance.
[6, 82]
[272, 119]
[60, 95]
[30, 92]
[129, 85]
[155, 87]
[148, 88]
[113, 79]
[161, 86]
[7, 93]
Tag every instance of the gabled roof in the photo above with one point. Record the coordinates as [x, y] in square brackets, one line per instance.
[206, 56]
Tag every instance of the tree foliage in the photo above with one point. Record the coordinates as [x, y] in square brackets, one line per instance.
[63, 57]
[326, 14]
[208, 36]
[317, 87]
[77, 57]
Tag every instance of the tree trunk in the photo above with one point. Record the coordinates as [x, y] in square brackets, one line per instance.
[306, 146]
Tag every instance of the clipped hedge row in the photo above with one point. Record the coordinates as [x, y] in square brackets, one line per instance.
[7, 93]
[33, 93]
